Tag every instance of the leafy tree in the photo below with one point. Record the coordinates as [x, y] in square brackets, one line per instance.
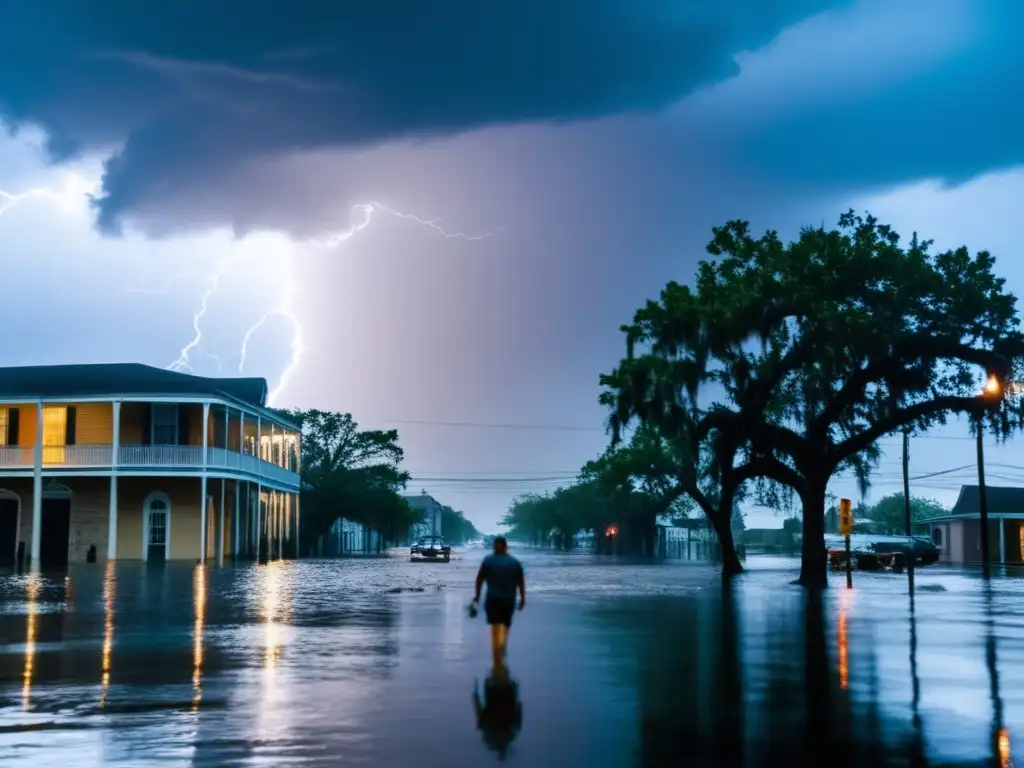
[889, 513]
[456, 528]
[351, 473]
[815, 349]
[639, 480]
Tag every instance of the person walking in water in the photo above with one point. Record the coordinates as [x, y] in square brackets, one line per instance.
[503, 575]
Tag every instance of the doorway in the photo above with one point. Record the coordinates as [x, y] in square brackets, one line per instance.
[157, 523]
[56, 534]
[8, 530]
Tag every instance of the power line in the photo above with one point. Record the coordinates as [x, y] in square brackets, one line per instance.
[491, 425]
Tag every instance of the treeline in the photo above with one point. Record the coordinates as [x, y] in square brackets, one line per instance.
[785, 364]
[456, 529]
[357, 474]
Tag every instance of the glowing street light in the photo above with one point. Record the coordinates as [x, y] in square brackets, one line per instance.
[993, 387]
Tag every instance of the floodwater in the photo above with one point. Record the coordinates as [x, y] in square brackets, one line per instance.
[376, 662]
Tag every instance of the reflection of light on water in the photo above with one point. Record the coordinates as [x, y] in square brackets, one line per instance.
[275, 610]
[271, 607]
[109, 592]
[844, 662]
[32, 592]
[454, 626]
[1003, 741]
[199, 599]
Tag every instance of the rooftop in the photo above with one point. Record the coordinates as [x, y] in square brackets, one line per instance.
[999, 500]
[130, 379]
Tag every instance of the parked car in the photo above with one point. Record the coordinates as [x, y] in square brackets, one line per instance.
[430, 548]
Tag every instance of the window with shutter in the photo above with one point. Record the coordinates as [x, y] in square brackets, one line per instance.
[165, 423]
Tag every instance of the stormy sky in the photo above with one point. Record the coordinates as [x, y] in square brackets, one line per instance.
[583, 148]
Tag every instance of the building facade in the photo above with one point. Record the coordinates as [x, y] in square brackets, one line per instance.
[430, 515]
[351, 538]
[130, 462]
[958, 534]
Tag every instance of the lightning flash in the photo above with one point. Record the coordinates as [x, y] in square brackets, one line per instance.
[361, 217]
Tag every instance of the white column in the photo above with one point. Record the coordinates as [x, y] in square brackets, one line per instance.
[220, 526]
[237, 518]
[241, 432]
[202, 484]
[259, 441]
[1002, 540]
[202, 519]
[259, 519]
[115, 449]
[37, 492]
[206, 433]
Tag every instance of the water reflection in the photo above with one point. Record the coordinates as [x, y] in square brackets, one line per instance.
[199, 602]
[109, 595]
[845, 602]
[272, 583]
[499, 710]
[323, 663]
[32, 589]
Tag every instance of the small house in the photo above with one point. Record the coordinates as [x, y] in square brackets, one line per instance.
[958, 534]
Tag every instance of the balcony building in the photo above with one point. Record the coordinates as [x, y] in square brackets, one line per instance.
[130, 462]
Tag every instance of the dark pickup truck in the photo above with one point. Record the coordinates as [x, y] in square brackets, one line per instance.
[430, 548]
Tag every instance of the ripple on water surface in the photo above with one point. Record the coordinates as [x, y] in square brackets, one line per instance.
[376, 661]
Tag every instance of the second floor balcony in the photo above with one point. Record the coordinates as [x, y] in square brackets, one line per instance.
[151, 436]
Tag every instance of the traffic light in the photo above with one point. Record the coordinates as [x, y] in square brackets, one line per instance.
[845, 517]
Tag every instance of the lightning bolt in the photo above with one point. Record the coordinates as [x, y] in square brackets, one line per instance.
[361, 216]
[182, 364]
[75, 188]
[72, 192]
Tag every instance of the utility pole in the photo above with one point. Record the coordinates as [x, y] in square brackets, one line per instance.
[906, 481]
[982, 499]
[911, 557]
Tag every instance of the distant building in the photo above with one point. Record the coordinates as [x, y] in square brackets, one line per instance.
[351, 538]
[430, 515]
[958, 534]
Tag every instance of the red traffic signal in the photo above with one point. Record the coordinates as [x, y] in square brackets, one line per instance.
[612, 530]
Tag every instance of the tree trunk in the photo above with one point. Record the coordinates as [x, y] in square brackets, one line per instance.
[813, 560]
[650, 533]
[731, 565]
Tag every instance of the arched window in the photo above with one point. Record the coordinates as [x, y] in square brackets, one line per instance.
[937, 536]
[156, 528]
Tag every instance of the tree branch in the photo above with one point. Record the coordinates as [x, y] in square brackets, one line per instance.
[894, 364]
[904, 417]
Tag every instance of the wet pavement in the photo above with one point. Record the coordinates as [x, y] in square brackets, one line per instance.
[376, 662]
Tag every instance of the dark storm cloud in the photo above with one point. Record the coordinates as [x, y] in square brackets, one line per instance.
[192, 89]
[961, 116]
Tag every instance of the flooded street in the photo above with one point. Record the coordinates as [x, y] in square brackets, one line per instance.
[375, 661]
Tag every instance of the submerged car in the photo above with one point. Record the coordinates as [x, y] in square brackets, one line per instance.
[430, 548]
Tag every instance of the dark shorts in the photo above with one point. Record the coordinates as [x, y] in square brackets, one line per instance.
[499, 610]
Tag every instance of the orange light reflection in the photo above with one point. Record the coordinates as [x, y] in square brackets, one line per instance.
[109, 593]
[844, 662]
[199, 600]
[32, 589]
[1003, 741]
[271, 608]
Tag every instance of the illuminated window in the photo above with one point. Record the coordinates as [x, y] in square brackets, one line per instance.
[55, 429]
[3, 425]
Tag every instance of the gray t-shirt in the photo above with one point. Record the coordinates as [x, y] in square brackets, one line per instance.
[501, 574]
